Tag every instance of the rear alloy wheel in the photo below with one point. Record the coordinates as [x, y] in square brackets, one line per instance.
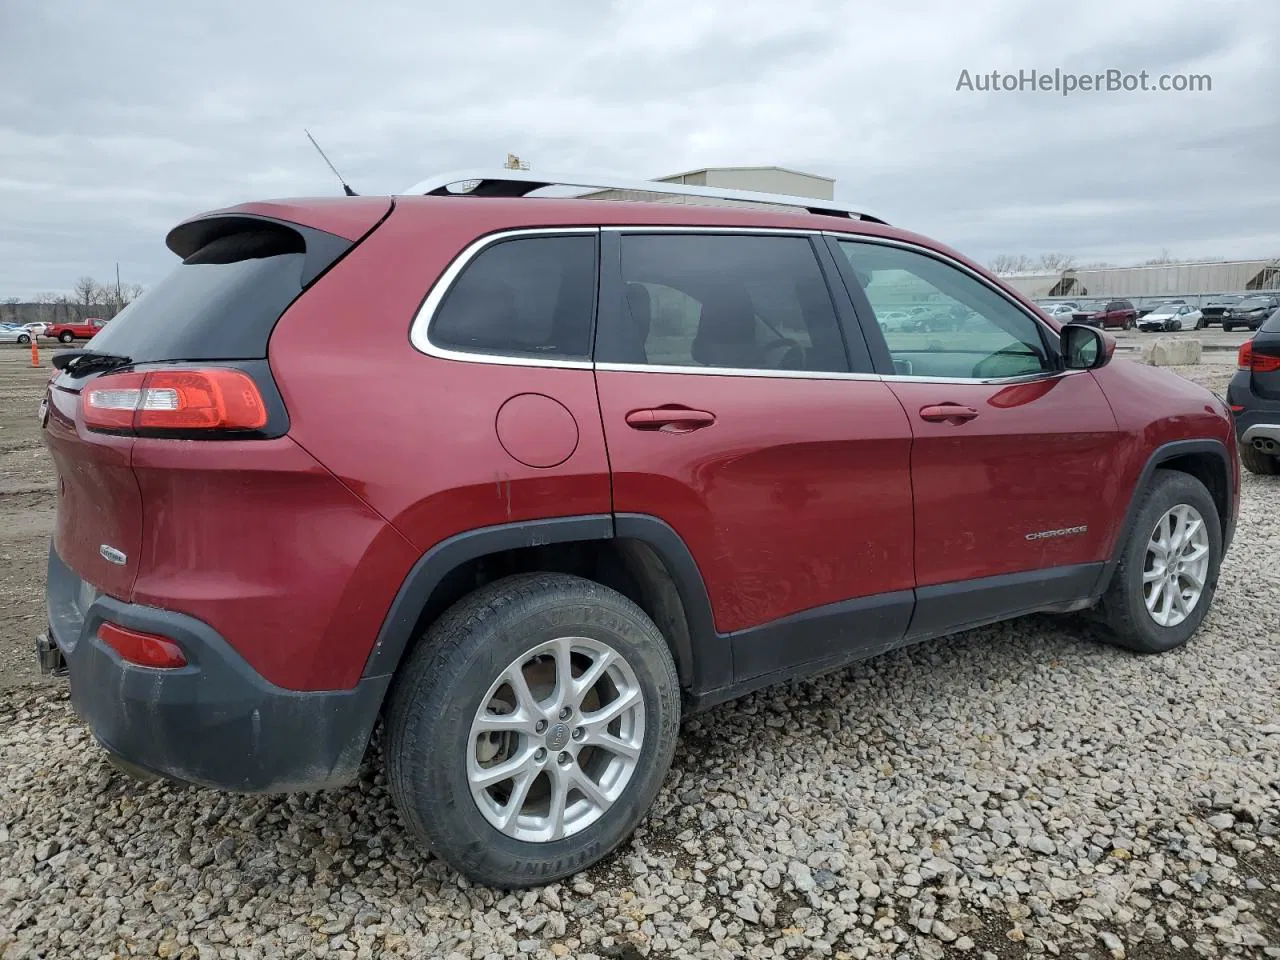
[531, 729]
[1255, 461]
[1165, 580]
[66, 337]
[23, 338]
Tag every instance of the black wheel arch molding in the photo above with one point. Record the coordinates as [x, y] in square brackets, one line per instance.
[1168, 453]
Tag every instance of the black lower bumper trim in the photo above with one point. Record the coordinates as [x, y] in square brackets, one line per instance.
[216, 722]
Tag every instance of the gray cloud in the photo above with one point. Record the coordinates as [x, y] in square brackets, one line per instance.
[116, 121]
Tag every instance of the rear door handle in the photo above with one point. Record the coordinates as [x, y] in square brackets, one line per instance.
[952, 413]
[670, 419]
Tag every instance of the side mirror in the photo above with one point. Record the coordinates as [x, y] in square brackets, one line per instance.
[1085, 347]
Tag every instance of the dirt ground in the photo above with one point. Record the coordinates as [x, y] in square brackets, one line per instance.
[26, 511]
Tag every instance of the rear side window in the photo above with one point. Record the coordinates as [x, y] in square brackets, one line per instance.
[1272, 323]
[743, 302]
[223, 300]
[529, 296]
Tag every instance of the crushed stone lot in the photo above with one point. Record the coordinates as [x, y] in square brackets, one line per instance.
[1019, 790]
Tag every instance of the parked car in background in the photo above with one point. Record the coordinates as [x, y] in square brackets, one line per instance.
[1170, 317]
[1107, 313]
[81, 330]
[1215, 308]
[11, 334]
[639, 435]
[1148, 306]
[1250, 312]
[1254, 397]
[35, 329]
[1060, 311]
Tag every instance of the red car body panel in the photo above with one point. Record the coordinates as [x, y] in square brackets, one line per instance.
[99, 503]
[321, 574]
[1186, 412]
[434, 466]
[1020, 468]
[799, 494]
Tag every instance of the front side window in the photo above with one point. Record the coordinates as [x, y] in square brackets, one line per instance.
[741, 302]
[527, 296]
[966, 329]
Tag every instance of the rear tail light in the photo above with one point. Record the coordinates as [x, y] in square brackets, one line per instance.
[1247, 359]
[216, 398]
[142, 649]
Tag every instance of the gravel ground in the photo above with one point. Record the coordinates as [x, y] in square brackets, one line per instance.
[1018, 790]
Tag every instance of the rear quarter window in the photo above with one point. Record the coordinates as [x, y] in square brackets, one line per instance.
[527, 296]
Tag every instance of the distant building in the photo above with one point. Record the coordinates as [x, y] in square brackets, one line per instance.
[761, 179]
[1156, 280]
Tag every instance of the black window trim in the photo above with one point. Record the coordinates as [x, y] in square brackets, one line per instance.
[420, 327]
[875, 336]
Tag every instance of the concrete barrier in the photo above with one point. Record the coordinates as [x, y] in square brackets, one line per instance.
[1172, 352]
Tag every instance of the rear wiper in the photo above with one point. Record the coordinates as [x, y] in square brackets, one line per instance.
[79, 362]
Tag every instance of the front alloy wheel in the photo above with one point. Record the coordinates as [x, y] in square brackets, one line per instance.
[1167, 571]
[1176, 566]
[556, 740]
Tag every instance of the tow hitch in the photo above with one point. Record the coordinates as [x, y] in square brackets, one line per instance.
[52, 662]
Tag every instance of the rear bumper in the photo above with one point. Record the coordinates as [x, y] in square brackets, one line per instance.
[215, 722]
[1259, 417]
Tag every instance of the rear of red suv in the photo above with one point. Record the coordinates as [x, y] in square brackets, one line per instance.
[170, 439]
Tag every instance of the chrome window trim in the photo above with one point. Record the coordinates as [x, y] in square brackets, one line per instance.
[964, 268]
[729, 231]
[420, 327]
[608, 367]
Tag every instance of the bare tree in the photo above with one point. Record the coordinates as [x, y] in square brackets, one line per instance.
[86, 292]
[1164, 258]
[1057, 262]
[1011, 263]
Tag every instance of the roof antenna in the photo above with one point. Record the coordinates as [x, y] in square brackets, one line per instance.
[345, 189]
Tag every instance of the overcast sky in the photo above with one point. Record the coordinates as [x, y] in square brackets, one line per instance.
[119, 119]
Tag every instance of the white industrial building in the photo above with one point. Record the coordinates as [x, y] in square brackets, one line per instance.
[1156, 280]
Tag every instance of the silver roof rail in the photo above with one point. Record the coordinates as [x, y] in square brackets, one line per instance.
[518, 183]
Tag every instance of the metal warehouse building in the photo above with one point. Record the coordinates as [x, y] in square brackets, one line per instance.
[1157, 280]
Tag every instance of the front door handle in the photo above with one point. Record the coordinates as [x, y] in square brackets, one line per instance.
[952, 413]
[670, 419]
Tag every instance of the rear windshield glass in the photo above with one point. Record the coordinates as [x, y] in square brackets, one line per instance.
[1272, 323]
[221, 303]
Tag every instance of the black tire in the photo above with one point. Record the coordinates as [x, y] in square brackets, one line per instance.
[1255, 461]
[23, 339]
[1123, 608]
[438, 692]
[66, 336]
[1227, 328]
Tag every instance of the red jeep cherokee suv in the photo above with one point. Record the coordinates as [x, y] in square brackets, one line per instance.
[529, 479]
